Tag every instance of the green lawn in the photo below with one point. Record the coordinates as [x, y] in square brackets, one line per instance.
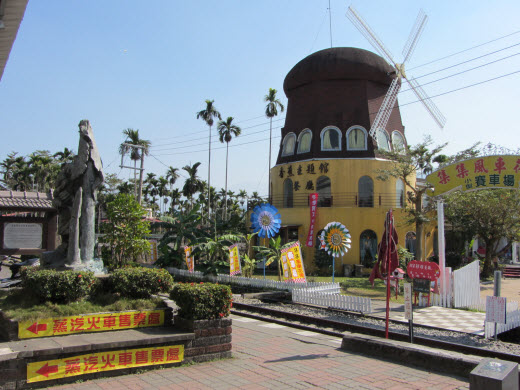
[19, 306]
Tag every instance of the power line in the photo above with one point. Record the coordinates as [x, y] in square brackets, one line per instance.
[465, 50]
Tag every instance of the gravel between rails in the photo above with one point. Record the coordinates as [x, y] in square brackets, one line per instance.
[449, 336]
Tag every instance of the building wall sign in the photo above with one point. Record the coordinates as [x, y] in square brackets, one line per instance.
[23, 235]
[477, 174]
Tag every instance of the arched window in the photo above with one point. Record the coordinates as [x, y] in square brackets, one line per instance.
[409, 242]
[383, 141]
[367, 248]
[398, 142]
[324, 192]
[289, 142]
[330, 138]
[304, 141]
[366, 192]
[399, 193]
[288, 193]
[356, 138]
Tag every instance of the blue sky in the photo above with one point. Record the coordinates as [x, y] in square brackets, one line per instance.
[150, 66]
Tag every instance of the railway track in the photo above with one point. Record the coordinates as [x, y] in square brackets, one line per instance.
[336, 328]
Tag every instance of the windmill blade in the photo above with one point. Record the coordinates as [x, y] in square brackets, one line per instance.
[415, 34]
[369, 34]
[427, 102]
[383, 115]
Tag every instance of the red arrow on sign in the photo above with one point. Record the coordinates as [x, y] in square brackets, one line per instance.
[35, 328]
[46, 370]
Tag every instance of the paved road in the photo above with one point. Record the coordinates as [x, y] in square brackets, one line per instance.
[270, 356]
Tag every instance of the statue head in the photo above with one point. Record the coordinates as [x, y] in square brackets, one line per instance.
[84, 128]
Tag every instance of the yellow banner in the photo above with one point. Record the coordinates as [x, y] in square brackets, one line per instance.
[477, 174]
[103, 361]
[234, 260]
[153, 251]
[90, 323]
[190, 260]
[292, 264]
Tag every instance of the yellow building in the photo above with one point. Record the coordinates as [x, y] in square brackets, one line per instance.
[333, 97]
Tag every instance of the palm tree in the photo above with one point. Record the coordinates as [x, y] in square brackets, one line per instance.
[172, 176]
[162, 191]
[192, 185]
[64, 157]
[207, 115]
[226, 131]
[242, 194]
[137, 148]
[271, 110]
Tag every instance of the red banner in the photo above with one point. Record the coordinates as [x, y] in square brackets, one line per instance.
[313, 203]
[423, 270]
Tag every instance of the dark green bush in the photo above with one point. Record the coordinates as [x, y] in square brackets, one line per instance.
[140, 282]
[202, 301]
[57, 286]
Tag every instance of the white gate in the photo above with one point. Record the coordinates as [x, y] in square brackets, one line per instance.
[466, 286]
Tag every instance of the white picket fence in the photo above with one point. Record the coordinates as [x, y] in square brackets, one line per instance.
[512, 321]
[466, 283]
[331, 300]
[332, 288]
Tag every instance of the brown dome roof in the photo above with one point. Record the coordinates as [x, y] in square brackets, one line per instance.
[338, 63]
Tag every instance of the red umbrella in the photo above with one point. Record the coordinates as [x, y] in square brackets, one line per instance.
[387, 259]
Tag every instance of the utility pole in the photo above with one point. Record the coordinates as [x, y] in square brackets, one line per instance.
[141, 170]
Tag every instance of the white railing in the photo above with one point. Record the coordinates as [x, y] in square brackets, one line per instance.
[512, 321]
[466, 286]
[333, 301]
[332, 288]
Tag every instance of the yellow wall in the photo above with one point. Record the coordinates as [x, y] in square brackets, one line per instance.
[344, 175]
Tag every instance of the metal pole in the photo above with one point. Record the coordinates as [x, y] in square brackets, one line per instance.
[333, 267]
[497, 288]
[140, 196]
[441, 244]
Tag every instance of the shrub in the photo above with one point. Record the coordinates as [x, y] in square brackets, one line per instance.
[57, 286]
[203, 301]
[140, 282]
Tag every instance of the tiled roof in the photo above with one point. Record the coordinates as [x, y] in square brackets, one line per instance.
[26, 200]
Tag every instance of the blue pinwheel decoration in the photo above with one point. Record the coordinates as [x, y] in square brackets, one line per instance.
[266, 220]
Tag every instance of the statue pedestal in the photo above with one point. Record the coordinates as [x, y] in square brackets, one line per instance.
[94, 265]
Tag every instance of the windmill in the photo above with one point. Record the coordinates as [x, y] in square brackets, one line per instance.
[383, 115]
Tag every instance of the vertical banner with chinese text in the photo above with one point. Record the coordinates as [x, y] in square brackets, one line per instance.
[313, 205]
[153, 251]
[292, 264]
[190, 260]
[234, 260]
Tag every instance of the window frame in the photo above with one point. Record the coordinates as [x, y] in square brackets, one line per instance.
[285, 139]
[403, 151]
[323, 131]
[387, 141]
[300, 136]
[364, 132]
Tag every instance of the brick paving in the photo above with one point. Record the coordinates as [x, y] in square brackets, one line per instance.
[281, 358]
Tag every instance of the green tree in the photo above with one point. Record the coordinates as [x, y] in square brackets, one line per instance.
[183, 229]
[271, 110]
[226, 131]
[125, 231]
[129, 145]
[489, 214]
[417, 160]
[273, 253]
[208, 115]
[216, 249]
[192, 185]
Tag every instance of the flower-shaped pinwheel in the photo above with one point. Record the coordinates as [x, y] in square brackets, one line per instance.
[336, 238]
[266, 220]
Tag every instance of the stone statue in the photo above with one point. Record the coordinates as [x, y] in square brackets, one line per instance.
[75, 199]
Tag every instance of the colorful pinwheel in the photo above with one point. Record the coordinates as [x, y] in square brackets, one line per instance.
[266, 220]
[337, 239]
